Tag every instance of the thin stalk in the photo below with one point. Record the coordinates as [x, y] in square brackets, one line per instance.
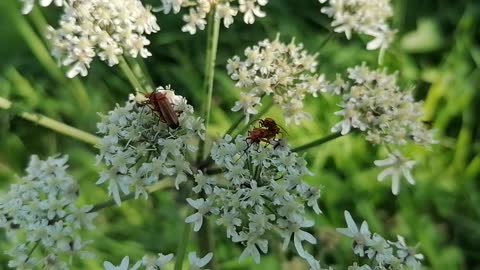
[40, 23]
[33, 41]
[142, 73]
[182, 247]
[235, 124]
[326, 40]
[130, 75]
[210, 75]
[159, 186]
[32, 250]
[53, 124]
[318, 142]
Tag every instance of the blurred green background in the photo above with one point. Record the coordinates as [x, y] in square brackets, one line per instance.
[436, 49]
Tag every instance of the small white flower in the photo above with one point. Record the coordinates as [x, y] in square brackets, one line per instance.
[252, 10]
[197, 263]
[226, 12]
[295, 228]
[408, 254]
[195, 19]
[360, 237]
[156, 263]
[124, 265]
[203, 208]
[396, 165]
[28, 4]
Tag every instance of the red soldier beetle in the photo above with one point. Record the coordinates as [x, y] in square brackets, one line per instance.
[160, 103]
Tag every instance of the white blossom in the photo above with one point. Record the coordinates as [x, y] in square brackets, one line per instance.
[396, 166]
[156, 263]
[107, 29]
[375, 104]
[40, 211]
[197, 263]
[384, 255]
[28, 4]
[226, 10]
[407, 254]
[368, 17]
[124, 265]
[138, 147]
[260, 191]
[360, 236]
[284, 71]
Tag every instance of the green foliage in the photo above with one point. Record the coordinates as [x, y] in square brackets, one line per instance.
[437, 50]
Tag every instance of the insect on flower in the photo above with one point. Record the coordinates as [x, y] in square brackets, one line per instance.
[268, 130]
[160, 103]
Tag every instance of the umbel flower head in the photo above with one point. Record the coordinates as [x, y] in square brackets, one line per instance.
[368, 17]
[260, 191]
[384, 255]
[138, 147]
[284, 71]
[39, 212]
[375, 104]
[106, 29]
[224, 10]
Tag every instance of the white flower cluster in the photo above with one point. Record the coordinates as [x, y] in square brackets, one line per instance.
[285, 71]
[384, 254]
[28, 4]
[39, 214]
[368, 17]
[260, 191]
[139, 148]
[374, 103]
[224, 10]
[107, 29]
[159, 262]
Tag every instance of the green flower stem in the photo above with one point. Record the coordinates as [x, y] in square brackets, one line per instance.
[164, 184]
[325, 41]
[182, 247]
[130, 75]
[33, 41]
[32, 250]
[39, 46]
[140, 71]
[211, 57]
[318, 142]
[53, 124]
[235, 124]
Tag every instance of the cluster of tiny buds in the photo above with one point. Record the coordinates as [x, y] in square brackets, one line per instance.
[107, 29]
[224, 10]
[284, 71]
[39, 214]
[368, 17]
[139, 147]
[384, 254]
[260, 191]
[159, 262]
